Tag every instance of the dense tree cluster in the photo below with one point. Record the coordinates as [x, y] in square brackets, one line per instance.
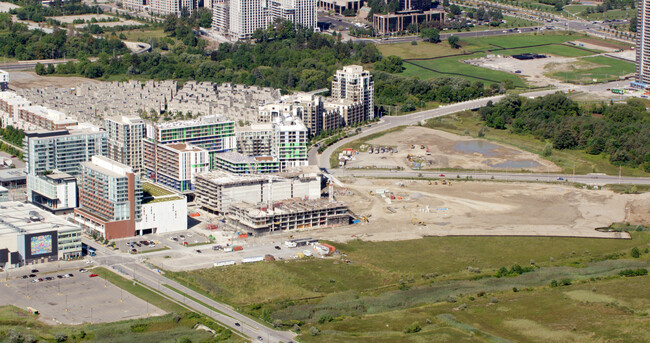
[492, 15]
[393, 90]
[390, 64]
[621, 131]
[34, 10]
[19, 42]
[12, 135]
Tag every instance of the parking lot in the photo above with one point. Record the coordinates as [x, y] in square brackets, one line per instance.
[74, 300]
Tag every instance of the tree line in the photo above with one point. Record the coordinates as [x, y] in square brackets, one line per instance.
[21, 43]
[620, 131]
[34, 10]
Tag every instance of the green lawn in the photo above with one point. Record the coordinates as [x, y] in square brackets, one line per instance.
[612, 14]
[422, 50]
[575, 9]
[143, 34]
[566, 159]
[610, 69]
[515, 41]
[454, 65]
[17, 325]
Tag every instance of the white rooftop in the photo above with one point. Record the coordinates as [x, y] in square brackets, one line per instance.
[18, 217]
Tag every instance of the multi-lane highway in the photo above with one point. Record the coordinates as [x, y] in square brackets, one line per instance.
[224, 314]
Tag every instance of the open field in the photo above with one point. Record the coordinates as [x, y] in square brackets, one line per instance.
[422, 50]
[29, 79]
[167, 328]
[594, 69]
[446, 151]
[142, 35]
[566, 159]
[591, 311]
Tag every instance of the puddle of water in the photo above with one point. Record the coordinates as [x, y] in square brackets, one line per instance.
[519, 164]
[482, 147]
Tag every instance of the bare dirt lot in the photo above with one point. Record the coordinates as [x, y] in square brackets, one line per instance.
[29, 79]
[447, 150]
[480, 209]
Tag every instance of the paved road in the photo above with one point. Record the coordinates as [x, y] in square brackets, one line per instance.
[225, 314]
[590, 179]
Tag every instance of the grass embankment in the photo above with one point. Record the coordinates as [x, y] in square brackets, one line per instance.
[356, 144]
[584, 163]
[17, 325]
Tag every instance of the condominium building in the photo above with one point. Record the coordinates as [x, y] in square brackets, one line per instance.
[175, 165]
[236, 163]
[166, 7]
[238, 19]
[39, 117]
[291, 137]
[255, 140]
[63, 150]
[642, 74]
[339, 6]
[55, 192]
[10, 104]
[355, 84]
[212, 133]
[125, 140]
[110, 198]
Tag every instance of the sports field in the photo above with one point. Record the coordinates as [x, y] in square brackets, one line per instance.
[599, 69]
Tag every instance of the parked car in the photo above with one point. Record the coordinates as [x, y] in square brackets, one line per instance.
[82, 270]
[560, 179]
[60, 276]
[49, 278]
[68, 275]
[32, 275]
[237, 324]
[34, 270]
[93, 275]
[36, 280]
[442, 175]
[198, 251]
[277, 247]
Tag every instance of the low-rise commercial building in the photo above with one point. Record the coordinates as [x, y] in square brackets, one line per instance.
[13, 178]
[162, 211]
[288, 215]
[55, 192]
[31, 235]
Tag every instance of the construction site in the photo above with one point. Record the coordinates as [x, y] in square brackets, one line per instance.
[421, 148]
[391, 210]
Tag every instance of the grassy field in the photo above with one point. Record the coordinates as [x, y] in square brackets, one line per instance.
[143, 34]
[454, 65]
[515, 41]
[15, 322]
[370, 269]
[422, 50]
[584, 163]
[590, 311]
[610, 69]
[386, 286]
[612, 14]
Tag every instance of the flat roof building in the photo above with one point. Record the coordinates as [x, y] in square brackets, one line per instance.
[31, 235]
[125, 140]
[236, 163]
[4, 194]
[289, 215]
[55, 192]
[13, 178]
[175, 165]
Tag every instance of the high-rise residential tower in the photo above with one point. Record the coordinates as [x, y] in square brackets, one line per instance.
[355, 84]
[125, 141]
[642, 74]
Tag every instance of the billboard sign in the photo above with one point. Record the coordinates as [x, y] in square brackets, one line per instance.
[41, 244]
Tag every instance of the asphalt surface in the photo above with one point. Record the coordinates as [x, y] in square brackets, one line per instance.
[131, 266]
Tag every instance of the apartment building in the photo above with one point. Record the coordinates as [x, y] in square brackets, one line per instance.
[39, 117]
[642, 73]
[110, 198]
[255, 140]
[166, 7]
[55, 192]
[355, 84]
[175, 165]
[10, 104]
[63, 150]
[291, 137]
[236, 163]
[125, 140]
[238, 19]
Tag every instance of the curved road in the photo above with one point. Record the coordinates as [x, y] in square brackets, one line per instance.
[386, 123]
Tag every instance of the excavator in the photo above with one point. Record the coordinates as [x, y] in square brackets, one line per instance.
[416, 221]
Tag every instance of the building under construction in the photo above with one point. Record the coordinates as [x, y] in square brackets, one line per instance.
[216, 191]
[294, 214]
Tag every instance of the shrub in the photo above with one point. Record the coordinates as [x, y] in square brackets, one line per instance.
[633, 272]
[326, 318]
[141, 327]
[565, 282]
[635, 252]
[554, 283]
[61, 337]
[413, 328]
[314, 331]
